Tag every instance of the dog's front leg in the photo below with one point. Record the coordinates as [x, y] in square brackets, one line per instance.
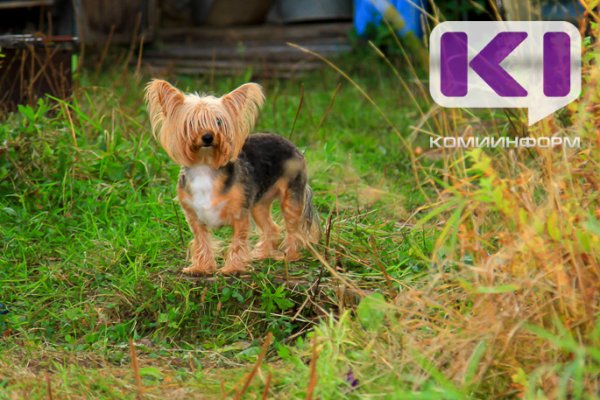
[203, 261]
[238, 254]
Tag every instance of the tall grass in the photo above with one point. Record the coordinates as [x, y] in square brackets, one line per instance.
[511, 307]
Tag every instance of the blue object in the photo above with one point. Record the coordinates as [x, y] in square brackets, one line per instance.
[368, 12]
[562, 11]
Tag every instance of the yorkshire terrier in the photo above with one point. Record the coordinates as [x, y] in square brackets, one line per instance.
[228, 174]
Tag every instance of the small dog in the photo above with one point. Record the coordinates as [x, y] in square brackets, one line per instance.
[228, 174]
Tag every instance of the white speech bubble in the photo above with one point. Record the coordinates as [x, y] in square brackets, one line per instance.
[525, 64]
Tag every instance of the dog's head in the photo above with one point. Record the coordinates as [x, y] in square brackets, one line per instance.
[196, 129]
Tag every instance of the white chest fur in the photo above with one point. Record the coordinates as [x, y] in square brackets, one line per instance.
[201, 186]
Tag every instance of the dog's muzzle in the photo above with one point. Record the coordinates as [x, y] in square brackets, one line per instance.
[207, 139]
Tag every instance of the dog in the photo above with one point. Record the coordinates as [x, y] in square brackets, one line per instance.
[228, 174]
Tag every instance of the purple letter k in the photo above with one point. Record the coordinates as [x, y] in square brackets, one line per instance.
[487, 64]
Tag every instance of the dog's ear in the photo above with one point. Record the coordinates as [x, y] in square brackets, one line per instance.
[162, 99]
[243, 104]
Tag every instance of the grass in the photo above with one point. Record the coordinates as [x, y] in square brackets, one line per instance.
[93, 240]
[479, 283]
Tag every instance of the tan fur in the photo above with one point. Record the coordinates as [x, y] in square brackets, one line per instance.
[238, 255]
[179, 120]
[292, 167]
[233, 209]
[203, 261]
[292, 215]
[269, 232]
[243, 105]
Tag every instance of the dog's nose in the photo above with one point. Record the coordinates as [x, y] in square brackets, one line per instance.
[207, 139]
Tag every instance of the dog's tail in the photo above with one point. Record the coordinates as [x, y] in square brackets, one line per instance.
[310, 218]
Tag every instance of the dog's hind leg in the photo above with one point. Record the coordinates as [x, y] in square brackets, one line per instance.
[238, 255]
[269, 233]
[292, 208]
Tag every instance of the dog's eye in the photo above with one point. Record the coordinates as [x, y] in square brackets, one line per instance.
[219, 122]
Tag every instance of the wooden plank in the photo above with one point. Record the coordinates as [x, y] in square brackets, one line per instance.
[282, 33]
[206, 71]
[235, 65]
[270, 52]
[5, 5]
[280, 70]
[255, 43]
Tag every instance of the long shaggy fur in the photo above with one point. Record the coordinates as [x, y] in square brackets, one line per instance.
[228, 175]
[179, 120]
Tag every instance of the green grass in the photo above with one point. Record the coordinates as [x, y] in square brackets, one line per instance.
[93, 241]
[473, 275]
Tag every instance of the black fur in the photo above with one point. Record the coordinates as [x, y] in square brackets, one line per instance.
[259, 165]
[297, 187]
[262, 160]
[230, 172]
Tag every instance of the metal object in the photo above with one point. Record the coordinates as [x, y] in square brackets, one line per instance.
[314, 10]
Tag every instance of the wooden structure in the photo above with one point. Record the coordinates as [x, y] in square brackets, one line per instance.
[263, 49]
[33, 66]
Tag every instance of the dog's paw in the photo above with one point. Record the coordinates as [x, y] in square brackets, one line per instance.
[233, 269]
[261, 254]
[195, 270]
[292, 256]
[289, 255]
